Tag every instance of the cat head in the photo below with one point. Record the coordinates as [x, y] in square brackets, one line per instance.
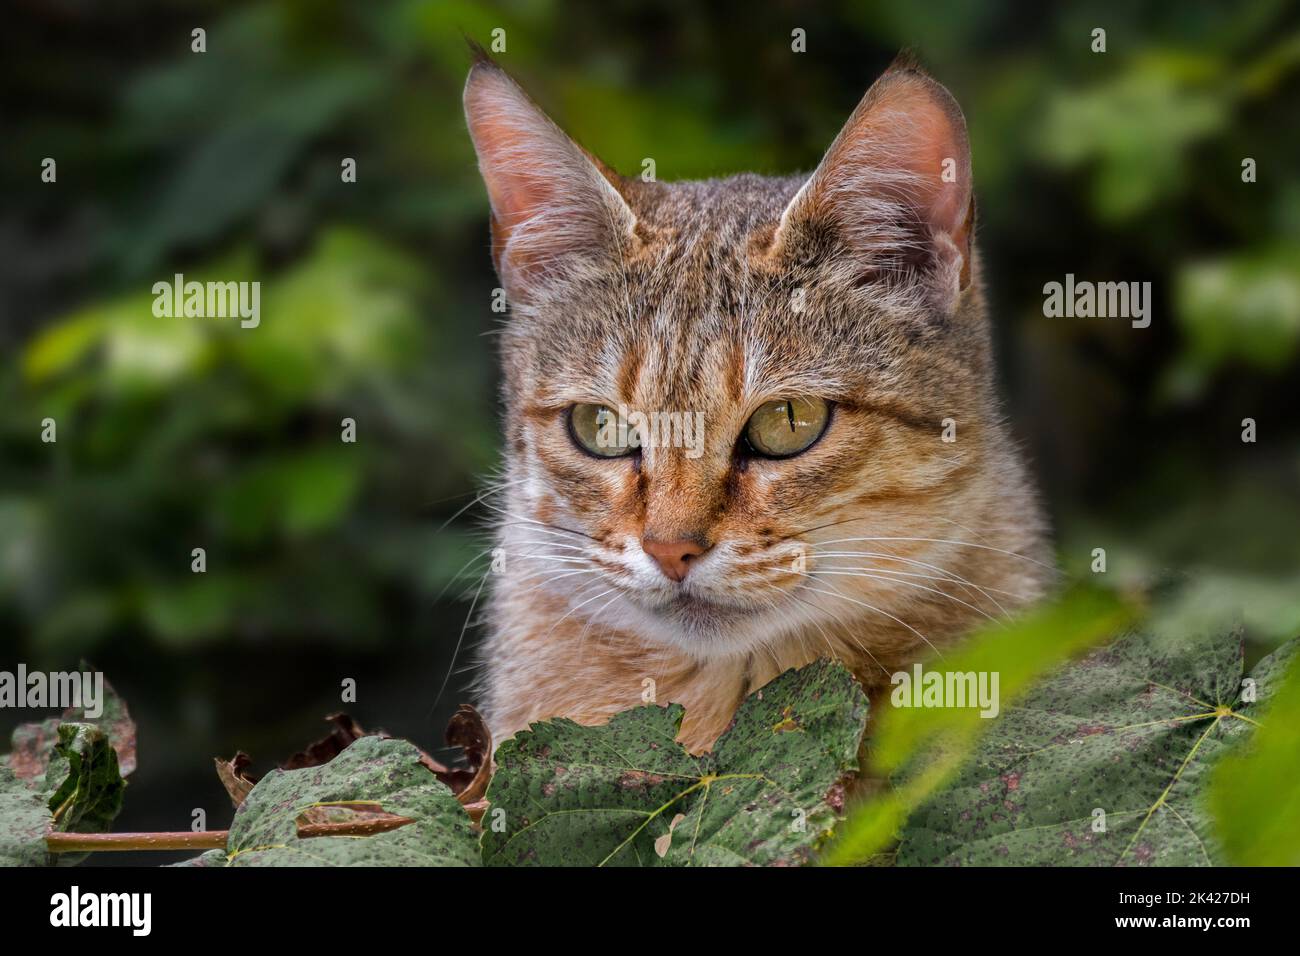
[727, 401]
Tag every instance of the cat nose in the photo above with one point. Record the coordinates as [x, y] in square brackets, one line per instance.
[673, 557]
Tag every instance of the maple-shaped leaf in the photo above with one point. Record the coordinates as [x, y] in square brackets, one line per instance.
[626, 793]
[1104, 763]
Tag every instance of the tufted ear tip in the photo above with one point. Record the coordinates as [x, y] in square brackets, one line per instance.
[476, 51]
[907, 61]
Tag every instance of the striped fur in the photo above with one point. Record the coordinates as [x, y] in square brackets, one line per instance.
[859, 285]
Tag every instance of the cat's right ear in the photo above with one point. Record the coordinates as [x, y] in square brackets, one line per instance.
[554, 210]
[894, 188]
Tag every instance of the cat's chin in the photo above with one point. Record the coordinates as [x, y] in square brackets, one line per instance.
[699, 613]
[702, 627]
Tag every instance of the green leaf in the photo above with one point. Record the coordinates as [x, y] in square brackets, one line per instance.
[24, 818]
[627, 794]
[1035, 643]
[373, 770]
[1255, 795]
[1131, 732]
[212, 858]
[81, 792]
[1019, 653]
[85, 778]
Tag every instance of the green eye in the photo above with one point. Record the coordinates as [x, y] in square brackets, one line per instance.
[596, 429]
[787, 427]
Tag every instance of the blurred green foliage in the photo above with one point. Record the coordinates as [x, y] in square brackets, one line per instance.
[175, 434]
[1255, 796]
[182, 433]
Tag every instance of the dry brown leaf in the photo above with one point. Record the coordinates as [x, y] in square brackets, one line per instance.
[466, 730]
[345, 731]
[234, 779]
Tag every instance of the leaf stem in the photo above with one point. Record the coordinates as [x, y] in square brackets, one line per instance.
[57, 842]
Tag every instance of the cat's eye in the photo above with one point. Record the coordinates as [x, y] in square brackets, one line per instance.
[787, 426]
[596, 429]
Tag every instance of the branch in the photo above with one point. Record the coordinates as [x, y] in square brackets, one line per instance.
[57, 842]
[102, 842]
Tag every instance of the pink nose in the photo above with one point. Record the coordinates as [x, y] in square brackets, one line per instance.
[673, 557]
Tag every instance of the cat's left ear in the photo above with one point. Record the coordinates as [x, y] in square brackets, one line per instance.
[894, 188]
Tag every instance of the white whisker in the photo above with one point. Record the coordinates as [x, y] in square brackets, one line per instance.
[869, 607]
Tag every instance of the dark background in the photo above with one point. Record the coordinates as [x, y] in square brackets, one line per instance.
[328, 561]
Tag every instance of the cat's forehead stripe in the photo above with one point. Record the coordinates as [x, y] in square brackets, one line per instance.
[695, 317]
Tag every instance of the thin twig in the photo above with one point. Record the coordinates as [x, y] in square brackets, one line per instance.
[96, 842]
[57, 842]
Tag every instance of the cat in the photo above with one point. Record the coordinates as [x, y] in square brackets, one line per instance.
[855, 493]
